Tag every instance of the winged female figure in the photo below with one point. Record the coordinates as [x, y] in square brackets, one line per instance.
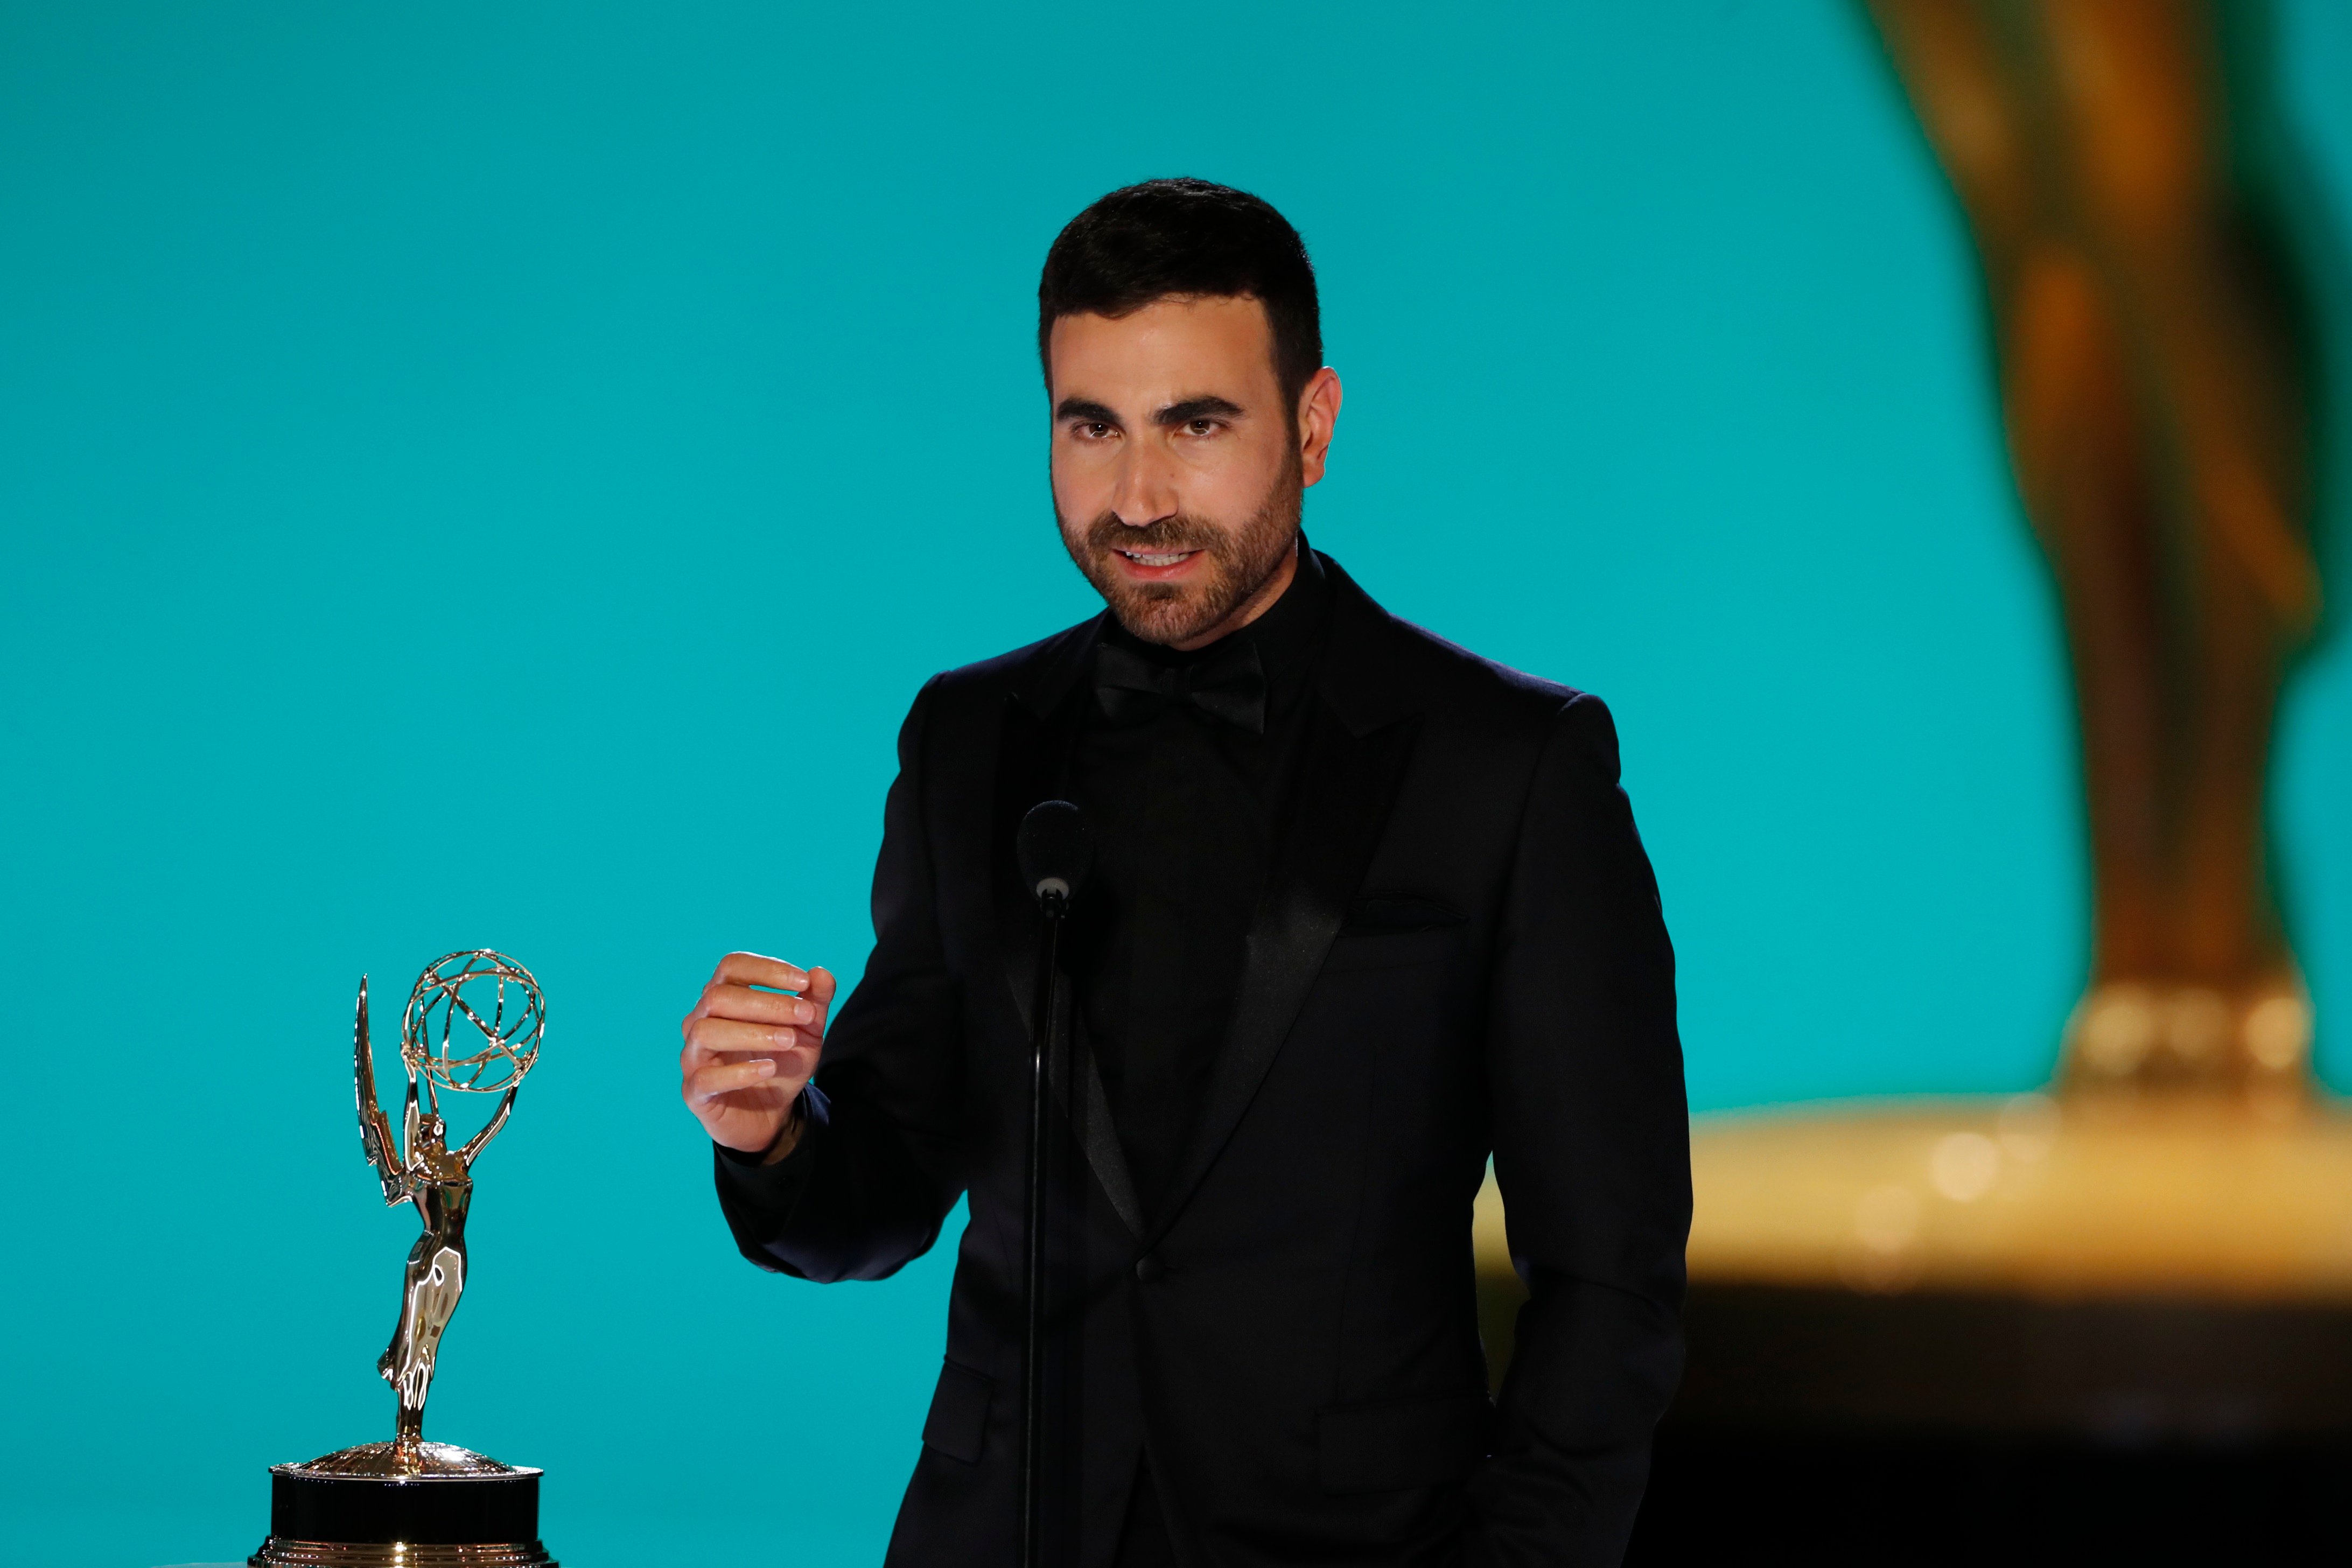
[441, 1185]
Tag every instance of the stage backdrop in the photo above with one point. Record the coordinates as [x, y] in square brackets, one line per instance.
[496, 475]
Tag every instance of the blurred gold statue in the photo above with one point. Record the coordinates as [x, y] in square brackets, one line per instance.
[2157, 414]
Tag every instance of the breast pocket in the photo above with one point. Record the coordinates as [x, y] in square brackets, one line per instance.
[1394, 932]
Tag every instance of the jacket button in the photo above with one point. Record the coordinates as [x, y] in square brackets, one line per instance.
[1148, 1267]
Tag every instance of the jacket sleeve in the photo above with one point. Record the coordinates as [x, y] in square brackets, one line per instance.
[1592, 1156]
[878, 1165]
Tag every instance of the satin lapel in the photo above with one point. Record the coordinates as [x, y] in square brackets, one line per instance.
[1345, 784]
[1098, 1136]
[1032, 765]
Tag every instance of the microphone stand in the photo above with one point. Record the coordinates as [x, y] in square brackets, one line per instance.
[1053, 903]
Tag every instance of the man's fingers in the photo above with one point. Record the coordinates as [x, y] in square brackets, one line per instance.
[755, 1006]
[719, 1036]
[726, 1077]
[780, 1035]
[752, 969]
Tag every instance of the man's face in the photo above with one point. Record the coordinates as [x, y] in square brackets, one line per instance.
[1176, 464]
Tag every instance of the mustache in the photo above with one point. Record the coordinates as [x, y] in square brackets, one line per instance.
[1161, 536]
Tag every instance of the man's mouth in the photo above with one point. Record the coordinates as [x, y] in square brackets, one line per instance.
[1155, 559]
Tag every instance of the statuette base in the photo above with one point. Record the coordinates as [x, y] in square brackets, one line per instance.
[277, 1553]
[403, 1505]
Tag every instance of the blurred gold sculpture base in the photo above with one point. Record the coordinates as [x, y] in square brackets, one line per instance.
[2181, 1197]
[2153, 1264]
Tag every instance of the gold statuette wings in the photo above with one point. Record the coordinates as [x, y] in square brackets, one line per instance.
[375, 1127]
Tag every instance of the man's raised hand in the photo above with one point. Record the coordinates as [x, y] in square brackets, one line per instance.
[748, 1052]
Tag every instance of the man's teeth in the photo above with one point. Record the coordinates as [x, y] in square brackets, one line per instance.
[1143, 560]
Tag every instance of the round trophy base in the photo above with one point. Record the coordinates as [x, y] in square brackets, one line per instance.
[397, 1555]
[403, 1505]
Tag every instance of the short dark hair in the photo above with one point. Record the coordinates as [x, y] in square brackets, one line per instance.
[1185, 237]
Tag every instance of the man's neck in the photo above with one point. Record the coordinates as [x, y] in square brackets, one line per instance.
[1259, 601]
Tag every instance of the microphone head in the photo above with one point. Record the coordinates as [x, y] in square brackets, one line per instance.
[1055, 849]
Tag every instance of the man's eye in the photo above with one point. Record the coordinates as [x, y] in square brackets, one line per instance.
[1093, 430]
[1203, 427]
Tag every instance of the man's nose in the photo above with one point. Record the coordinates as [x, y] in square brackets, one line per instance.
[1146, 492]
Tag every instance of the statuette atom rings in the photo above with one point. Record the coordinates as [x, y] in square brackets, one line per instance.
[473, 1023]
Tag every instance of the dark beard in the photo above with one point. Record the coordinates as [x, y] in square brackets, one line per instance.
[1238, 563]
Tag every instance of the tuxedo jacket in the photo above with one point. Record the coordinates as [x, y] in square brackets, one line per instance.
[1459, 954]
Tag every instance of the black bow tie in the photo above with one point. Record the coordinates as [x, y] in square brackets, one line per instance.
[1228, 684]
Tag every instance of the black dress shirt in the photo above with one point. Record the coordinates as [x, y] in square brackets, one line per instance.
[1185, 809]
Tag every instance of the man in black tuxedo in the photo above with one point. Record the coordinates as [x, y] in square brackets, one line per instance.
[1367, 908]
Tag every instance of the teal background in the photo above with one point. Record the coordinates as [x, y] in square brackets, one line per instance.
[496, 476]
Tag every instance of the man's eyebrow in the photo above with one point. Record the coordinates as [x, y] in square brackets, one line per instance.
[1193, 408]
[1080, 408]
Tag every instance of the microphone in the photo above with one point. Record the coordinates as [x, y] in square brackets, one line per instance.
[1056, 851]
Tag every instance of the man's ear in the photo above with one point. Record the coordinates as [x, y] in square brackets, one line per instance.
[1319, 417]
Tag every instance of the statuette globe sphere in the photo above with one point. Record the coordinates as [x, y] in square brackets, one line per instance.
[473, 1023]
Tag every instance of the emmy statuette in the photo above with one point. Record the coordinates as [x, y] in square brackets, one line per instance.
[473, 1025]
